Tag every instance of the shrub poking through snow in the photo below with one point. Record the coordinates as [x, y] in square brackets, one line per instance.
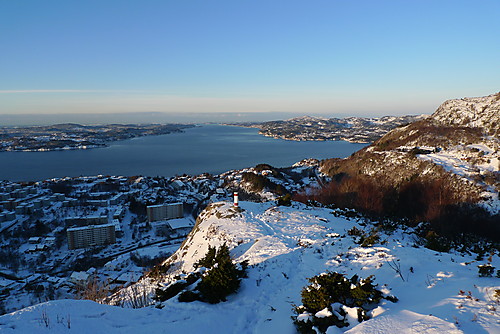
[370, 240]
[486, 270]
[176, 287]
[496, 296]
[355, 232]
[220, 279]
[334, 300]
[284, 200]
[363, 239]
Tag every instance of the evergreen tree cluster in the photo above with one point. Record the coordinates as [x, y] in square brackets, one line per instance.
[221, 278]
[331, 293]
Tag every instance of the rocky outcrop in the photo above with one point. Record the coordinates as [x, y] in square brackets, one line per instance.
[475, 112]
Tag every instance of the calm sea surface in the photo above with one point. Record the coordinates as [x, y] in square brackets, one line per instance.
[209, 148]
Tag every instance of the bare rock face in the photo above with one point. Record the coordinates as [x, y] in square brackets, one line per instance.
[475, 112]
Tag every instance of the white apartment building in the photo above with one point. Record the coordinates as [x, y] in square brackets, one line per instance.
[92, 235]
[165, 211]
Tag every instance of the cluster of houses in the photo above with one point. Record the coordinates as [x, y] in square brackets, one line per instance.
[16, 199]
[38, 244]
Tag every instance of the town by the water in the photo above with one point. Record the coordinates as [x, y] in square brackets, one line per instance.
[59, 234]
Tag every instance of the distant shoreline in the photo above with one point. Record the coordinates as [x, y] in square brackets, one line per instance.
[360, 130]
[63, 137]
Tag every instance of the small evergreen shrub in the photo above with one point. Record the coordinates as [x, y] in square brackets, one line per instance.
[486, 270]
[222, 279]
[355, 232]
[370, 240]
[188, 296]
[330, 297]
[436, 243]
[285, 200]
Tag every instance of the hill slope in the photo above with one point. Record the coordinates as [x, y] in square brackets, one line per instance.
[458, 146]
[476, 112]
[285, 246]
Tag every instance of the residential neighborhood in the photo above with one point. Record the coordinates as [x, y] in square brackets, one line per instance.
[59, 235]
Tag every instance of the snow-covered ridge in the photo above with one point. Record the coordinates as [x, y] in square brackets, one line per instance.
[482, 112]
[261, 232]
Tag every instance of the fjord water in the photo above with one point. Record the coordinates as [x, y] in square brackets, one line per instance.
[208, 148]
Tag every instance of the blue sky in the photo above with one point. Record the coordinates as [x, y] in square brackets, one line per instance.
[306, 57]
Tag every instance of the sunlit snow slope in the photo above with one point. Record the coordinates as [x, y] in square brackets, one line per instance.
[285, 246]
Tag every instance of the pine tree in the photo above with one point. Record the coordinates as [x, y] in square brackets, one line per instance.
[209, 259]
[222, 279]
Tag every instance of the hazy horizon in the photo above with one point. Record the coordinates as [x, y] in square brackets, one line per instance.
[156, 117]
[136, 118]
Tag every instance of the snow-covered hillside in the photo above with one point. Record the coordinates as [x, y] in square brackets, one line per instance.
[459, 142]
[437, 292]
[353, 129]
[479, 112]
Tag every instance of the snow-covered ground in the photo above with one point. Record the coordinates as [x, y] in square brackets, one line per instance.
[458, 159]
[438, 292]
[474, 163]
